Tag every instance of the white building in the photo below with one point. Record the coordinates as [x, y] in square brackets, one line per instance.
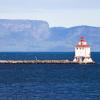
[82, 52]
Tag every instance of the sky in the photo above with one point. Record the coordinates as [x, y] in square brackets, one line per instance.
[56, 12]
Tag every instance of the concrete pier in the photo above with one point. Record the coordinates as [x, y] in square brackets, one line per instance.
[40, 62]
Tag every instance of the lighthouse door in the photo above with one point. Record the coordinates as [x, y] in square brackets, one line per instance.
[80, 59]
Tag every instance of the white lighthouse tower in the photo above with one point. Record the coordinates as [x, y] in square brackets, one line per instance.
[82, 52]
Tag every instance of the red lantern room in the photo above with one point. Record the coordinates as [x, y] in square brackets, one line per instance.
[82, 43]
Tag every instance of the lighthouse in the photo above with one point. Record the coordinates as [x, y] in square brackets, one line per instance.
[82, 52]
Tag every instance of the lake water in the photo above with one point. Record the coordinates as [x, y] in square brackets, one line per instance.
[49, 81]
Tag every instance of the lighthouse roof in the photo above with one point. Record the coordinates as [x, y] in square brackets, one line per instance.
[82, 43]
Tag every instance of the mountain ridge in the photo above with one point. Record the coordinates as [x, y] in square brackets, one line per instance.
[37, 35]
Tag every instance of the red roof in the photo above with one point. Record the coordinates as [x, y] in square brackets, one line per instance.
[82, 40]
[83, 46]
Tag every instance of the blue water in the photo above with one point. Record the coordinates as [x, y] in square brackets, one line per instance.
[49, 81]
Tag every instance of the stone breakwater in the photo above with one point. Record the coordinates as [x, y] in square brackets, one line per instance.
[41, 62]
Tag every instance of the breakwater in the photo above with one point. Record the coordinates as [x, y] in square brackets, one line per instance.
[41, 62]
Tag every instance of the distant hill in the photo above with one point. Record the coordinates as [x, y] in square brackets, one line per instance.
[36, 35]
[70, 36]
[22, 35]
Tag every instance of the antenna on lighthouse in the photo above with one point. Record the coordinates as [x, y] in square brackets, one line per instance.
[82, 37]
